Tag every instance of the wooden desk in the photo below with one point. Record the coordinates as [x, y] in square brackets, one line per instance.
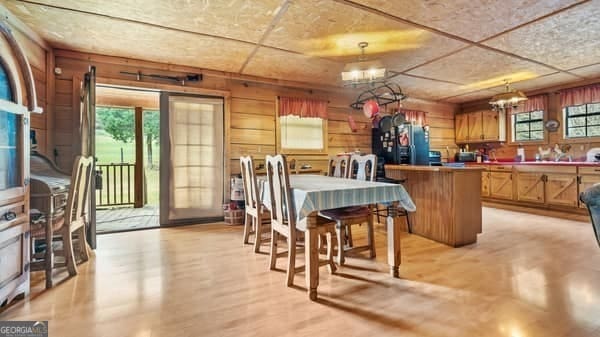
[448, 201]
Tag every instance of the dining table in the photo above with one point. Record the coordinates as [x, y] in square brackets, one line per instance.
[315, 193]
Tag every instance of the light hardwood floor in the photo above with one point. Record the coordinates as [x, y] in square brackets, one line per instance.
[527, 276]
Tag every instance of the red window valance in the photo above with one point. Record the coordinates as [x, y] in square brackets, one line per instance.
[580, 95]
[302, 107]
[533, 103]
[415, 116]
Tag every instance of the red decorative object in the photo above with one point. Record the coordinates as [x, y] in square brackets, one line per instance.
[352, 123]
[371, 108]
[580, 95]
[302, 107]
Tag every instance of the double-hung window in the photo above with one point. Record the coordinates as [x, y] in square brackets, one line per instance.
[302, 125]
[528, 126]
[582, 120]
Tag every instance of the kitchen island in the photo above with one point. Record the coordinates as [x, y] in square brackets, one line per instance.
[448, 201]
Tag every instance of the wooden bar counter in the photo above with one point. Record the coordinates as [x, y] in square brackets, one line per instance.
[448, 201]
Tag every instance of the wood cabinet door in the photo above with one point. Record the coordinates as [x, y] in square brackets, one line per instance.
[475, 126]
[485, 184]
[501, 185]
[461, 123]
[561, 189]
[530, 187]
[586, 181]
[490, 125]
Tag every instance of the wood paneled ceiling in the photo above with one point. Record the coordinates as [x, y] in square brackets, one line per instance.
[452, 51]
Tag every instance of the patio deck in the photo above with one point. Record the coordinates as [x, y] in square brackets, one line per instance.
[126, 219]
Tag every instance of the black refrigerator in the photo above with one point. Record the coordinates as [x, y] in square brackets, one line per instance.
[402, 144]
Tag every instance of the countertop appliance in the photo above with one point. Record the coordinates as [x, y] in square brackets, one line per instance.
[435, 158]
[463, 157]
[593, 155]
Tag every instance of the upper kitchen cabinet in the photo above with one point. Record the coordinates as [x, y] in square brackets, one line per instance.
[480, 126]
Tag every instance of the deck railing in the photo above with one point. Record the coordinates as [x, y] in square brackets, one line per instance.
[118, 185]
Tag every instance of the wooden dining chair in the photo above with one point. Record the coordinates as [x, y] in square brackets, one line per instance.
[364, 168]
[338, 166]
[72, 221]
[284, 221]
[257, 217]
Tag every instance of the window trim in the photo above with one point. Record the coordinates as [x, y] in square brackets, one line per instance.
[512, 130]
[566, 117]
[282, 150]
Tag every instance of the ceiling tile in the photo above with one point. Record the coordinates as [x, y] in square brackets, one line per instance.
[428, 89]
[589, 71]
[567, 40]
[268, 62]
[543, 82]
[76, 31]
[472, 96]
[473, 20]
[245, 20]
[478, 68]
[333, 30]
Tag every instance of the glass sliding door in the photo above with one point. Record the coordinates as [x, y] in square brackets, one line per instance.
[192, 159]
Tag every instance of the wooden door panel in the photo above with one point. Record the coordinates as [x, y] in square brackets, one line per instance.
[485, 184]
[475, 126]
[530, 187]
[501, 185]
[490, 125]
[561, 189]
[461, 128]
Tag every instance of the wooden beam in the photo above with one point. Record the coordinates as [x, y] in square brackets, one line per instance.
[139, 158]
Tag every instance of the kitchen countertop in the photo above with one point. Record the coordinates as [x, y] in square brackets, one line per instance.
[559, 163]
[430, 168]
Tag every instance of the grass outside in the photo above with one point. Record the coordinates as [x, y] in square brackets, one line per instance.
[109, 150]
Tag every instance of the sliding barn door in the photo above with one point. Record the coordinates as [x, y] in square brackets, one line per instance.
[192, 159]
[88, 145]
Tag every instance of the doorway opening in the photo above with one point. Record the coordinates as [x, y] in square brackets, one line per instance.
[127, 158]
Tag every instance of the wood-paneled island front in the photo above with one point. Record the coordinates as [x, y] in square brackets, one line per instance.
[448, 201]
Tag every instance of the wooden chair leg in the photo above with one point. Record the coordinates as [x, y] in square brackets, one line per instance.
[68, 251]
[371, 237]
[273, 254]
[258, 233]
[83, 247]
[291, 267]
[349, 235]
[408, 225]
[330, 243]
[49, 257]
[340, 232]
[247, 230]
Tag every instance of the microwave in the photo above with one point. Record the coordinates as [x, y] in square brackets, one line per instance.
[465, 157]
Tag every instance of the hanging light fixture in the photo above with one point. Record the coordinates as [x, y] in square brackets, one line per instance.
[510, 98]
[363, 71]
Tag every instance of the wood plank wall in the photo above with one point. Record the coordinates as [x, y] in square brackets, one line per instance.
[252, 109]
[38, 60]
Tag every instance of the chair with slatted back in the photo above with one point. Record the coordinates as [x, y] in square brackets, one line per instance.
[338, 166]
[284, 221]
[257, 217]
[362, 168]
[72, 221]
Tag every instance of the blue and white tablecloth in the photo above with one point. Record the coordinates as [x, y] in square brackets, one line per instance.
[317, 193]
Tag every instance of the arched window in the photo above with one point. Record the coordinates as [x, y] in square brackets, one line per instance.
[5, 88]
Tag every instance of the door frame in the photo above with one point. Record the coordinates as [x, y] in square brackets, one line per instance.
[165, 152]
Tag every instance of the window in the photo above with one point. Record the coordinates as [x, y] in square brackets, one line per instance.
[301, 133]
[5, 89]
[528, 126]
[582, 120]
